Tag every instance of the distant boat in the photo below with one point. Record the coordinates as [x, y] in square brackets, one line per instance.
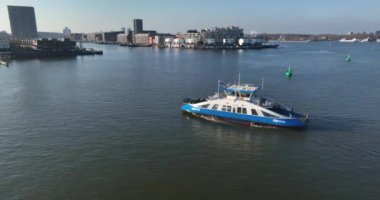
[377, 40]
[365, 40]
[346, 40]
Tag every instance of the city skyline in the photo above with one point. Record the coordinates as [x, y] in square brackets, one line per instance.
[270, 16]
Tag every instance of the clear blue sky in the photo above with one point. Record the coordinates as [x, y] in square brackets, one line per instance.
[270, 16]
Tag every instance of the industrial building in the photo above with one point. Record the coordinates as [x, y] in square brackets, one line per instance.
[142, 39]
[111, 36]
[94, 37]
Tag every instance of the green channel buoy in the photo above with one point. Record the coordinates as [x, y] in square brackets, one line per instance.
[348, 58]
[289, 73]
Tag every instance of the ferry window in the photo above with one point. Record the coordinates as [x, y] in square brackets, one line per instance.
[233, 110]
[238, 110]
[228, 108]
[253, 112]
[267, 114]
[215, 107]
[224, 108]
[205, 106]
[244, 111]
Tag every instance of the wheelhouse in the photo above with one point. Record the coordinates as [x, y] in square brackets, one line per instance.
[242, 92]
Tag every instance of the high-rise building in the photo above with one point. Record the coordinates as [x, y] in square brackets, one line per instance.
[138, 25]
[23, 22]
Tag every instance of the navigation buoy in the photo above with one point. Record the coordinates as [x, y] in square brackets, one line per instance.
[348, 58]
[289, 73]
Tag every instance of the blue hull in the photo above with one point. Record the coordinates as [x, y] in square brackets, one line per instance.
[243, 118]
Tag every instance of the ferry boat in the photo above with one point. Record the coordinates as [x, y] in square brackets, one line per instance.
[239, 103]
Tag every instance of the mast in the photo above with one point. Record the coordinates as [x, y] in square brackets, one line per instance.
[239, 79]
[218, 88]
[262, 84]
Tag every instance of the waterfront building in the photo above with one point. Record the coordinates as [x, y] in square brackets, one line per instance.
[179, 35]
[178, 42]
[151, 39]
[209, 41]
[111, 36]
[192, 37]
[94, 37]
[78, 37]
[160, 38]
[219, 34]
[138, 25]
[141, 38]
[23, 22]
[228, 41]
[67, 32]
[123, 39]
[53, 45]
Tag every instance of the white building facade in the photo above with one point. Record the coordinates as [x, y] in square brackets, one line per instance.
[141, 38]
[67, 32]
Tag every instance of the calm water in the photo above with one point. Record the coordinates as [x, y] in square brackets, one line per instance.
[110, 127]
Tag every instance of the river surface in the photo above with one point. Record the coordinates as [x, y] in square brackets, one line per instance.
[110, 126]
